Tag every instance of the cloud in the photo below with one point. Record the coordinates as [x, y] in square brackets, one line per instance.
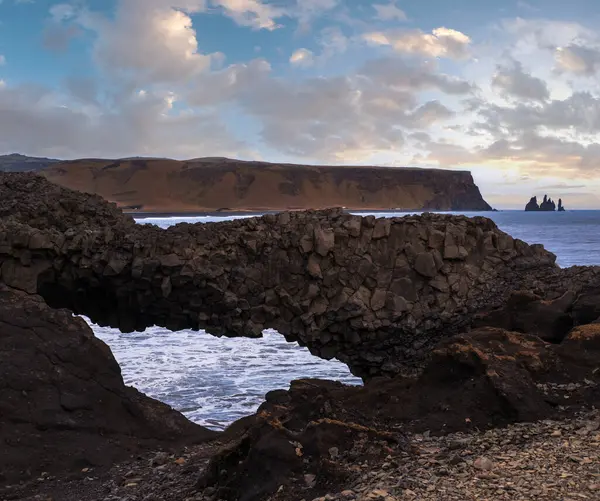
[62, 12]
[441, 42]
[580, 113]
[514, 82]
[302, 57]
[251, 13]
[347, 118]
[306, 11]
[389, 12]
[535, 34]
[399, 73]
[39, 122]
[332, 41]
[228, 85]
[555, 136]
[578, 59]
[149, 43]
[2, 60]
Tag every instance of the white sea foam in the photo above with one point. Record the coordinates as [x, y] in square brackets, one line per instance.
[214, 381]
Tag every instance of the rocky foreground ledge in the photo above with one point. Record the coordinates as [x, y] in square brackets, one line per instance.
[456, 327]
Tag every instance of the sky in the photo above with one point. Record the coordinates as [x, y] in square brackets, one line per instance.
[509, 90]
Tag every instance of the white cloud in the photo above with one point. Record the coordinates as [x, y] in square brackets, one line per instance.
[2, 60]
[578, 59]
[441, 42]
[302, 57]
[389, 12]
[40, 122]
[251, 13]
[149, 43]
[62, 12]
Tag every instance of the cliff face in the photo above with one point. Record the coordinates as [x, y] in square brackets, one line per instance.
[218, 183]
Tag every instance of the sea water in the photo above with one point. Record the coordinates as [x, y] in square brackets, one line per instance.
[215, 381]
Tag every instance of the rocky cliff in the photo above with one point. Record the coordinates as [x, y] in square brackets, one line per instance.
[211, 184]
[375, 293]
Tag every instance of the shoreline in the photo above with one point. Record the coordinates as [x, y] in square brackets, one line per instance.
[255, 213]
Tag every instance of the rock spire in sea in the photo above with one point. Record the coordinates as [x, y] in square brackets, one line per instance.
[547, 205]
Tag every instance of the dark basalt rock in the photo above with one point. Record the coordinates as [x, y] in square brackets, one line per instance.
[528, 313]
[561, 208]
[63, 403]
[547, 205]
[488, 377]
[376, 293]
[532, 205]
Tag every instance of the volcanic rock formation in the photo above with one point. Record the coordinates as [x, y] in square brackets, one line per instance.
[485, 378]
[376, 293]
[63, 403]
[210, 184]
[561, 207]
[492, 329]
[547, 205]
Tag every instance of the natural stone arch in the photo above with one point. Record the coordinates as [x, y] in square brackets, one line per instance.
[375, 293]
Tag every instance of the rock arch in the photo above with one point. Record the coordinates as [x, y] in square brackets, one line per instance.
[375, 293]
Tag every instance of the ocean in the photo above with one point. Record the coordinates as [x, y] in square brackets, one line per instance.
[214, 381]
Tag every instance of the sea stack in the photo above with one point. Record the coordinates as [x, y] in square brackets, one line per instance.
[561, 207]
[547, 205]
[532, 205]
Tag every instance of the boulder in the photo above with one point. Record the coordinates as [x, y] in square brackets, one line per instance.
[528, 313]
[586, 308]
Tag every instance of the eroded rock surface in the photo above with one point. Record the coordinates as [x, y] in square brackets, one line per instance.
[63, 403]
[375, 293]
[487, 378]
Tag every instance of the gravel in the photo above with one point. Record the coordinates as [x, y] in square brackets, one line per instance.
[541, 461]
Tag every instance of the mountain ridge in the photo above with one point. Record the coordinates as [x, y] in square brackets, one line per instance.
[215, 183]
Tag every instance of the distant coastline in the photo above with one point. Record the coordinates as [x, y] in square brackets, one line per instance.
[254, 213]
